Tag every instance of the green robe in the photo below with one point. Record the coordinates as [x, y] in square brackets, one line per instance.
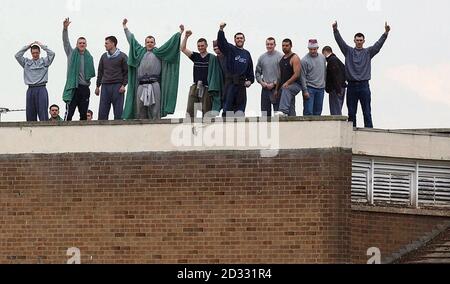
[169, 54]
[74, 71]
[215, 82]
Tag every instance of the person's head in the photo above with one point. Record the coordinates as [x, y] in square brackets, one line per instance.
[270, 44]
[202, 45]
[150, 43]
[239, 40]
[81, 44]
[287, 46]
[35, 52]
[327, 51]
[90, 115]
[313, 47]
[216, 48]
[110, 43]
[54, 111]
[360, 39]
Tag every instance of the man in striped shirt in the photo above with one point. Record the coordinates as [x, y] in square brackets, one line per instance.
[198, 93]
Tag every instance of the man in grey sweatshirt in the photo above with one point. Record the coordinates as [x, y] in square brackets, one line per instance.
[267, 73]
[113, 78]
[35, 73]
[314, 69]
[358, 72]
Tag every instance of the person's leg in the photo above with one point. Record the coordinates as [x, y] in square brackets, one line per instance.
[83, 102]
[334, 103]
[71, 107]
[352, 103]
[105, 102]
[228, 107]
[117, 101]
[240, 101]
[42, 103]
[30, 109]
[294, 90]
[318, 101]
[155, 110]
[308, 104]
[207, 103]
[192, 100]
[275, 101]
[285, 101]
[266, 104]
[366, 100]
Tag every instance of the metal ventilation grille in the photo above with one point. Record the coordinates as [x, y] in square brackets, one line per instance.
[392, 187]
[434, 186]
[360, 180]
[400, 182]
[393, 182]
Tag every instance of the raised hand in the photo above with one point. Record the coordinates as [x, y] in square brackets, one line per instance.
[66, 23]
[188, 33]
[387, 28]
[222, 26]
[335, 25]
[181, 28]
[125, 22]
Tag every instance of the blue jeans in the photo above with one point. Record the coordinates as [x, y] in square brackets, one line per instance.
[267, 101]
[314, 105]
[359, 91]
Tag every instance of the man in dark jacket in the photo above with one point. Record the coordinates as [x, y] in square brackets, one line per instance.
[335, 85]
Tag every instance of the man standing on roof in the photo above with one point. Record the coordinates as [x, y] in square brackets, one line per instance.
[358, 69]
[153, 75]
[240, 74]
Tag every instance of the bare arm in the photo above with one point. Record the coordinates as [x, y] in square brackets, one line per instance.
[184, 49]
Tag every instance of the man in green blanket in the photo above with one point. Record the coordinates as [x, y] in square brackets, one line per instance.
[80, 71]
[208, 79]
[153, 75]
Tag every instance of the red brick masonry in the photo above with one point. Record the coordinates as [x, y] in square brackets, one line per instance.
[191, 207]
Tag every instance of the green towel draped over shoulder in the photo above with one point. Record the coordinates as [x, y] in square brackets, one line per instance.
[73, 73]
[169, 54]
[215, 82]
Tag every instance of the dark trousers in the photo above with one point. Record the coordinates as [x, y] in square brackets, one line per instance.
[80, 100]
[110, 95]
[336, 100]
[235, 100]
[37, 103]
[267, 100]
[359, 91]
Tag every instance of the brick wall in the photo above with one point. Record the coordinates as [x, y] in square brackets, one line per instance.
[197, 207]
[387, 231]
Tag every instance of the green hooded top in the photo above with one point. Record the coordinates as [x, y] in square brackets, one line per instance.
[169, 54]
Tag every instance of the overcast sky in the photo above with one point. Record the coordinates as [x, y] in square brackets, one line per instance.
[409, 76]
